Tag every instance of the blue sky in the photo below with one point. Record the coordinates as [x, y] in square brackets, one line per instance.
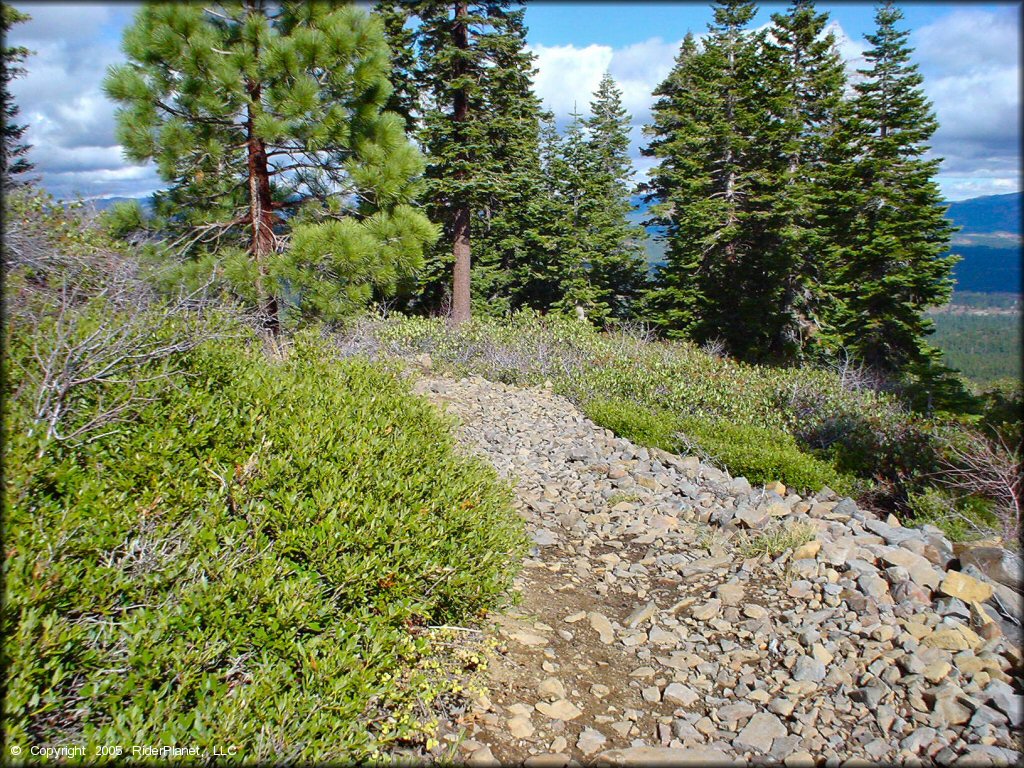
[969, 54]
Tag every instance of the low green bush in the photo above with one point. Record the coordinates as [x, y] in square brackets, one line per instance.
[759, 454]
[960, 519]
[763, 455]
[245, 561]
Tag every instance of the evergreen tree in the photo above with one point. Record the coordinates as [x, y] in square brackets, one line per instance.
[258, 113]
[713, 188]
[807, 81]
[12, 154]
[889, 264]
[568, 168]
[401, 38]
[616, 263]
[481, 133]
[678, 187]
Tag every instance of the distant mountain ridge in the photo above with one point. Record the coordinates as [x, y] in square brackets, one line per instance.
[985, 215]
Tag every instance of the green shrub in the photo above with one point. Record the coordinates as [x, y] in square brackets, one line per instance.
[243, 563]
[761, 455]
[960, 519]
[635, 423]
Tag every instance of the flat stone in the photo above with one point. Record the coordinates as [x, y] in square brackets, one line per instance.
[920, 569]
[807, 551]
[958, 638]
[529, 639]
[600, 624]
[731, 593]
[482, 757]
[520, 727]
[590, 741]
[754, 611]
[731, 713]
[808, 668]
[663, 756]
[759, 733]
[549, 760]
[964, 587]
[1002, 697]
[572, 618]
[707, 610]
[662, 637]
[563, 709]
[995, 562]
[752, 518]
[677, 693]
[640, 615]
[552, 688]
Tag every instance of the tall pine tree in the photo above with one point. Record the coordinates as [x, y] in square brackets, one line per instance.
[254, 111]
[13, 162]
[889, 263]
[711, 189]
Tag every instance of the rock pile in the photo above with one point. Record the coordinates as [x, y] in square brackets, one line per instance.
[673, 614]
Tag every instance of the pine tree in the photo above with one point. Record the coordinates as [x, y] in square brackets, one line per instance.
[257, 114]
[481, 133]
[678, 187]
[807, 81]
[568, 168]
[616, 263]
[889, 261]
[13, 162]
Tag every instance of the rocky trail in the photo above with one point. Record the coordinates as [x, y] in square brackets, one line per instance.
[650, 629]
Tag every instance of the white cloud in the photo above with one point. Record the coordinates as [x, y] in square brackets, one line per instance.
[969, 58]
[971, 70]
[70, 121]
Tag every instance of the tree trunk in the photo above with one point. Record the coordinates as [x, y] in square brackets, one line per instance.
[461, 211]
[261, 214]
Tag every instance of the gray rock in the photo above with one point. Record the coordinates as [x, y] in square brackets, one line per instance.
[808, 669]
[677, 693]
[590, 741]
[1002, 697]
[870, 696]
[640, 615]
[759, 733]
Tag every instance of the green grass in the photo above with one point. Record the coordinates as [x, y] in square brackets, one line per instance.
[775, 539]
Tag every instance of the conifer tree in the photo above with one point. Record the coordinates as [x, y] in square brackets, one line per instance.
[253, 112]
[889, 264]
[711, 188]
[481, 133]
[807, 81]
[616, 263]
[401, 39]
[13, 162]
[677, 189]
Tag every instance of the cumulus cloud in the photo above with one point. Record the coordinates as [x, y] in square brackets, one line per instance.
[970, 63]
[972, 76]
[70, 121]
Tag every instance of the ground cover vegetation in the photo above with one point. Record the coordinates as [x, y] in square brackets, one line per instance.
[227, 523]
[205, 545]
